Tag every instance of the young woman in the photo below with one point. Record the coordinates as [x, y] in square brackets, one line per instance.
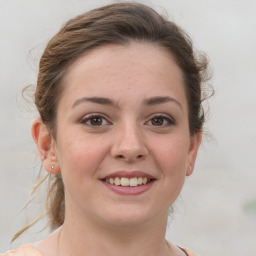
[119, 94]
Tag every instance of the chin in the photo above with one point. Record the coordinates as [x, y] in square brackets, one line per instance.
[127, 216]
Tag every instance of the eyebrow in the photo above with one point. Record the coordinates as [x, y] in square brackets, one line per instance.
[98, 100]
[160, 100]
[147, 102]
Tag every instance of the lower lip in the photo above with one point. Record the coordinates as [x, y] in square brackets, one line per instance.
[129, 190]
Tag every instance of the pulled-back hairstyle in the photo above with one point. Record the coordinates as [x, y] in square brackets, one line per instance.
[118, 24]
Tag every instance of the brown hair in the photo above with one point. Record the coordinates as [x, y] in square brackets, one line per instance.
[118, 23]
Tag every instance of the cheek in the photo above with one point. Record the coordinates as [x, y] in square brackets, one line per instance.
[171, 157]
[80, 156]
[80, 159]
[172, 154]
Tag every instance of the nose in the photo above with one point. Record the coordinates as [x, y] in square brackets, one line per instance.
[129, 144]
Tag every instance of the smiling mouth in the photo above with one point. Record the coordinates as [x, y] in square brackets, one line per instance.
[128, 182]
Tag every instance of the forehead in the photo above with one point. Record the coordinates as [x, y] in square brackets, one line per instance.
[142, 68]
[128, 53]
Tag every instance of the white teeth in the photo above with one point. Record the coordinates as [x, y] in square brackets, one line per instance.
[126, 182]
[140, 181]
[117, 181]
[133, 182]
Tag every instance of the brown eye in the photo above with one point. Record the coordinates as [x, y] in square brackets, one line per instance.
[161, 121]
[94, 120]
[157, 121]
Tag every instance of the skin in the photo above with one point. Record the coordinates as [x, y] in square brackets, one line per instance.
[129, 134]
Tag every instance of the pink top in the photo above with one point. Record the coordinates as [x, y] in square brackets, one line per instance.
[24, 250]
[29, 250]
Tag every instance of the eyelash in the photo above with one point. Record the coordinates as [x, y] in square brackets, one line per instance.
[168, 121]
[89, 118]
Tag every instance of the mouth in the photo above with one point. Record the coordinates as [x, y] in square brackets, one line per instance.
[128, 182]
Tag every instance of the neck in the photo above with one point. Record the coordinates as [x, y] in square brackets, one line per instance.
[95, 238]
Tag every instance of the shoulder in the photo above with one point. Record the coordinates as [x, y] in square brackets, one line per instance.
[178, 249]
[23, 250]
[189, 253]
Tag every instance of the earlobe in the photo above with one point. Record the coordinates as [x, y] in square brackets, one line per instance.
[195, 142]
[45, 145]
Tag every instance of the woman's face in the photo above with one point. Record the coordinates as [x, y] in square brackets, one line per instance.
[123, 118]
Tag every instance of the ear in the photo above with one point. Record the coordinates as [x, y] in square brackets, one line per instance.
[46, 146]
[195, 142]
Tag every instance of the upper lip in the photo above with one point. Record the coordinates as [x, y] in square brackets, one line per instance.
[128, 174]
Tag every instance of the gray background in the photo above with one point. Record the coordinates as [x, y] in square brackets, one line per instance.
[216, 212]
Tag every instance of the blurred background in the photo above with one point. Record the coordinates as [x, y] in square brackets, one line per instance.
[216, 211]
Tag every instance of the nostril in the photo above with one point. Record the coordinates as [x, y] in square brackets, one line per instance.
[128, 158]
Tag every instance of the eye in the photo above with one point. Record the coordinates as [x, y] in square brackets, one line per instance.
[160, 121]
[95, 120]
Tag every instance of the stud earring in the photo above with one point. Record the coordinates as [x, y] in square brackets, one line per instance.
[52, 167]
